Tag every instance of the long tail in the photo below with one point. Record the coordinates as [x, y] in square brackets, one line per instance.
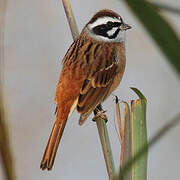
[52, 145]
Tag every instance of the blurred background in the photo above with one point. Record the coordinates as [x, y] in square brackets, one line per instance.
[37, 36]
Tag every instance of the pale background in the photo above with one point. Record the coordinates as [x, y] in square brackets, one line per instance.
[36, 38]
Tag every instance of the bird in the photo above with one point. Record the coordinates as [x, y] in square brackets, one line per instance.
[92, 69]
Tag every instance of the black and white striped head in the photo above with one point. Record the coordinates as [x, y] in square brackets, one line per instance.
[108, 26]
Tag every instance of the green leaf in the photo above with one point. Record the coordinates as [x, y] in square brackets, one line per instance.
[139, 93]
[134, 145]
[139, 138]
[159, 29]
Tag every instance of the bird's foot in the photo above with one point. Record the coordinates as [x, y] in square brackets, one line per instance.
[100, 114]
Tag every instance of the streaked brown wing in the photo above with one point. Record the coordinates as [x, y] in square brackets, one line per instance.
[95, 88]
[98, 82]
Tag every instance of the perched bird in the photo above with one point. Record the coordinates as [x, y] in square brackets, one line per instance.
[92, 68]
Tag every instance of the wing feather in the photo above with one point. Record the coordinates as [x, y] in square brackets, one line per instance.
[97, 63]
[94, 89]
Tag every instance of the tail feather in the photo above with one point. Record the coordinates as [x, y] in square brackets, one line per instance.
[52, 145]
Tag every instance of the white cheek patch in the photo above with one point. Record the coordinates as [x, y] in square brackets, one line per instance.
[103, 20]
[112, 31]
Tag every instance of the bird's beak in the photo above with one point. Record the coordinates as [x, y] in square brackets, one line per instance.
[125, 27]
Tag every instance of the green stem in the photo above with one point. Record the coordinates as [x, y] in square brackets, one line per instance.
[103, 134]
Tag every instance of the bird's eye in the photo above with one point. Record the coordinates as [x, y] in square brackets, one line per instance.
[110, 24]
[117, 24]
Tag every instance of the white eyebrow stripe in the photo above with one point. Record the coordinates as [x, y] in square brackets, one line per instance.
[103, 20]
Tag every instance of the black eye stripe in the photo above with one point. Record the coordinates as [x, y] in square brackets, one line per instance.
[117, 24]
[113, 24]
[103, 26]
[102, 30]
[108, 26]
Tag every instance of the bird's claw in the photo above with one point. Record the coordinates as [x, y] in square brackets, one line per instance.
[100, 114]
